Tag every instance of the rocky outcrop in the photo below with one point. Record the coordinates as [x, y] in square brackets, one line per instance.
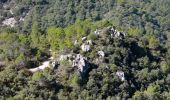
[116, 33]
[101, 54]
[78, 60]
[84, 38]
[120, 75]
[75, 42]
[89, 42]
[2, 63]
[81, 63]
[65, 57]
[9, 22]
[85, 47]
[97, 32]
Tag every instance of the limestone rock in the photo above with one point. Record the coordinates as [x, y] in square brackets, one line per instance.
[81, 63]
[75, 42]
[89, 42]
[85, 47]
[97, 32]
[65, 57]
[55, 64]
[9, 22]
[121, 75]
[84, 38]
[21, 19]
[101, 53]
[116, 33]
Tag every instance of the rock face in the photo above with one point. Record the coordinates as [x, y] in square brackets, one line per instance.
[121, 75]
[81, 63]
[85, 47]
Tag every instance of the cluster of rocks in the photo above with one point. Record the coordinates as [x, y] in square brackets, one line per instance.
[77, 61]
[112, 31]
[86, 46]
[116, 33]
[101, 54]
[12, 19]
[9, 22]
[97, 32]
[65, 57]
[81, 63]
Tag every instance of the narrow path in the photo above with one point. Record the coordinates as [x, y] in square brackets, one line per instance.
[44, 65]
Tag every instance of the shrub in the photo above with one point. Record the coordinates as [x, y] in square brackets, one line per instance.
[37, 76]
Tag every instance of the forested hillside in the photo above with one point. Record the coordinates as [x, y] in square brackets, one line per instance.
[85, 49]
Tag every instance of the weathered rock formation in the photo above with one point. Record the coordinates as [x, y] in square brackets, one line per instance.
[9, 22]
[116, 33]
[81, 63]
[84, 38]
[85, 47]
[65, 57]
[120, 75]
[97, 32]
[101, 54]
[89, 42]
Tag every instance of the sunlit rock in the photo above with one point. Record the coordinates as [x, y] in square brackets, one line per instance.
[9, 22]
[81, 63]
[101, 53]
[85, 47]
[121, 75]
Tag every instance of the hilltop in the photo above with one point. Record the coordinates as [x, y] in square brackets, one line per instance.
[102, 62]
[84, 49]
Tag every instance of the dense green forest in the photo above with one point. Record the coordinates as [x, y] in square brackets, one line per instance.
[127, 49]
